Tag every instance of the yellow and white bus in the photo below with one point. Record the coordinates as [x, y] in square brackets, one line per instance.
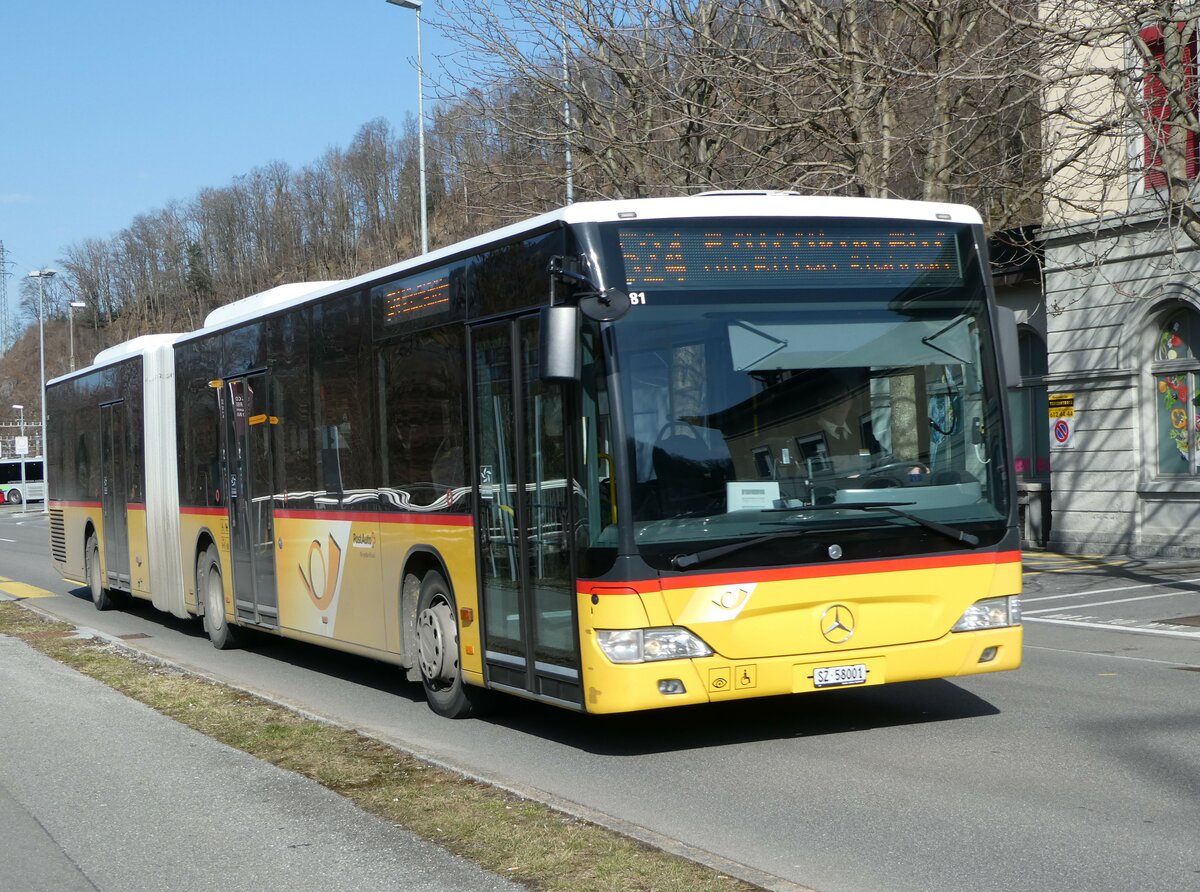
[21, 481]
[621, 456]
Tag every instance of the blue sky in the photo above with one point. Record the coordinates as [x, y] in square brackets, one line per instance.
[115, 109]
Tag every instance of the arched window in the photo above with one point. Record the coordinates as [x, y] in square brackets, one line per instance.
[1175, 368]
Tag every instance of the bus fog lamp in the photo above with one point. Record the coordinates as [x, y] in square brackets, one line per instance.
[671, 686]
[650, 645]
[991, 613]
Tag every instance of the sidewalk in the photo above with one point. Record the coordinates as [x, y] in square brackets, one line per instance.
[98, 792]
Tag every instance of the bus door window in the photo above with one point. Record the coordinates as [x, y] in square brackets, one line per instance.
[497, 482]
[547, 508]
[594, 487]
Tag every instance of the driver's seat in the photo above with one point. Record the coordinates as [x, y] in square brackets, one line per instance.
[691, 474]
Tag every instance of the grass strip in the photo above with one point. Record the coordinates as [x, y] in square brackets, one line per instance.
[517, 838]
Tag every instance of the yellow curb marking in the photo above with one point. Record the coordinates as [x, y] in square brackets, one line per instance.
[24, 590]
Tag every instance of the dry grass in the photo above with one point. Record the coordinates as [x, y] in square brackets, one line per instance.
[516, 838]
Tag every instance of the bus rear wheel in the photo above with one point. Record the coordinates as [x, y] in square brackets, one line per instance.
[14, 497]
[210, 589]
[101, 597]
[437, 653]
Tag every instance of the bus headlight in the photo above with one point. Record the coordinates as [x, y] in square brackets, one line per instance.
[649, 645]
[991, 613]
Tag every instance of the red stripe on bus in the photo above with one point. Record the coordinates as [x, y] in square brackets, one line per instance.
[782, 574]
[56, 503]
[209, 512]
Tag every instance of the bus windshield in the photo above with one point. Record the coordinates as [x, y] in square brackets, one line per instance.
[753, 410]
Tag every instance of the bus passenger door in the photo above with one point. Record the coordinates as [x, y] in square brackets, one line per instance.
[114, 495]
[525, 548]
[249, 430]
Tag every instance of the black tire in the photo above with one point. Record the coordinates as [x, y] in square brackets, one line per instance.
[101, 597]
[210, 592]
[438, 653]
[14, 497]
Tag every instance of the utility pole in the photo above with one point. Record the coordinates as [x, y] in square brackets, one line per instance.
[5, 340]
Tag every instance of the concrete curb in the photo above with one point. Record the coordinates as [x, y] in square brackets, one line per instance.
[575, 810]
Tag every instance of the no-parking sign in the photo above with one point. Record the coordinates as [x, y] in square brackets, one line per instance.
[1062, 420]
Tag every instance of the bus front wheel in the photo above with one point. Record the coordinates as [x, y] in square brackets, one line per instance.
[101, 597]
[210, 588]
[14, 497]
[437, 653]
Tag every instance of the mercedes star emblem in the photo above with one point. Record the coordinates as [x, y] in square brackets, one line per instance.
[837, 624]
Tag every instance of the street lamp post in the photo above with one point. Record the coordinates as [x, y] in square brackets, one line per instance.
[42, 275]
[415, 5]
[71, 308]
[21, 409]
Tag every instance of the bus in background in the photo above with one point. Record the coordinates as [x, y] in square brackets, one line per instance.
[17, 487]
[621, 456]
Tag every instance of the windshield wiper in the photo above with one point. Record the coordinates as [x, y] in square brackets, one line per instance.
[891, 508]
[687, 561]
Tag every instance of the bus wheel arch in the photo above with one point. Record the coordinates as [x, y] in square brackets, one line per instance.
[435, 639]
[210, 597]
[102, 599]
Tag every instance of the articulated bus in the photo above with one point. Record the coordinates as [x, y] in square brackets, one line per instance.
[624, 455]
[21, 480]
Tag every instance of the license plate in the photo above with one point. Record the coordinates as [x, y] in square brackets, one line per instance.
[836, 676]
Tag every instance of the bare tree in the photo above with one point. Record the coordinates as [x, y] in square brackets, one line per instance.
[1120, 109]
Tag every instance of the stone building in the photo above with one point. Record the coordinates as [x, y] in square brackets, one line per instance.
[1121, 309]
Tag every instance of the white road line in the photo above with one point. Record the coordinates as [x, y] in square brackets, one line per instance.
[1110, 627]
[1088, 653]
[1110, 591]
[1106, 603]
[7, 540]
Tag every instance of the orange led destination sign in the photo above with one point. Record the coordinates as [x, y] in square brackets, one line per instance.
[858, 253]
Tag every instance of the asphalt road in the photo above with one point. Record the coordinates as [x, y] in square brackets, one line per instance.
[1079, 771]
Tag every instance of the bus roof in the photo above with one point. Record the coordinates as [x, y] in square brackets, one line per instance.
[709, 204]
[138, 346]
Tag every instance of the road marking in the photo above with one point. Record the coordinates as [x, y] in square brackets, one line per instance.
[1114, 626]
[1103, 656]
[1106, 603]
[24, 590]
[1110, 591]
[1034, 565]
[2, 539]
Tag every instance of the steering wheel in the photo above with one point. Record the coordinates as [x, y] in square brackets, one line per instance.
[690, 429]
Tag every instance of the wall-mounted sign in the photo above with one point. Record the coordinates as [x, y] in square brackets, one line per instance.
[1062, 420]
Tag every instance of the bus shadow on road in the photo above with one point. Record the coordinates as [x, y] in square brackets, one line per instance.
[663, 730]
[748, 721]
[357, 670]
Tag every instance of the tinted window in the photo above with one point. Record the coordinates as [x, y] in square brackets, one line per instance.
[197, 424]
[424, 429]
[341, 388]
[291, 402]
[514, 276]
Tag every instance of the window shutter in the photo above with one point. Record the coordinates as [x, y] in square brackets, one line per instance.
[1158, 109]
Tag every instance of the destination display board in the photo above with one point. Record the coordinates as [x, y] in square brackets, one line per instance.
[834, 253]
[413, 298]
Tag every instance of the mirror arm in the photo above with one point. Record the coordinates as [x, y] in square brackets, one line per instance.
[603, 304]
